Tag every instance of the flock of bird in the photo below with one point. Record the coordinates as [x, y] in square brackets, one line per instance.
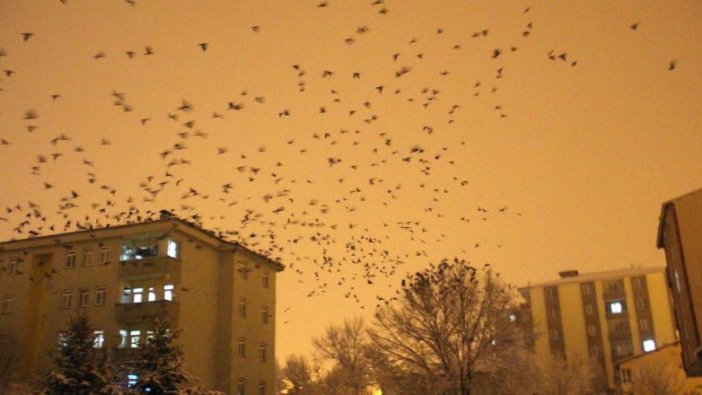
[307, 213]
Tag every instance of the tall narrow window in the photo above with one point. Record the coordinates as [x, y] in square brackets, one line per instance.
[172, 250]
[588, 309]
[265, 279]
[586, 289]
[241, 347]
[264, 315]
[240, 386]
[66, 299]
[242, 307]
[168, 292]
[71, 260]
[151, 295]
[83, 297]
[8, 304]
[137, 295]
[100, 296]
[88, 258]
[98, 339]
[262, 388]
[243, 270]
[104, 255]
[124, 336]
[14, 268]
[134, 338]
[262, 352]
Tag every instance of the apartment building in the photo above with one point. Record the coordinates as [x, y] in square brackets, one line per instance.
[659, 371]
[680, 235]
[603, 317]
[220, 296]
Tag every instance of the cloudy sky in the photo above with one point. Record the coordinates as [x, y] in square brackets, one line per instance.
[356, 141]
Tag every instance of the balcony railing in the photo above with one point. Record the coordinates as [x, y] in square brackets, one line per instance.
[147, 312]
[152, 267]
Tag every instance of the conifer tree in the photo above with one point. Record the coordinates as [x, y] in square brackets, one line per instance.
[78, 366]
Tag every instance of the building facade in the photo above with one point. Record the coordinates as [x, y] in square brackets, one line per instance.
[680, 235]
[657, 372]
[600, 317]
[219, 295]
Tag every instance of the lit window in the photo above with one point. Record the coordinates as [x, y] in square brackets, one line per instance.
[126, 295]
[616, 307]
[138, 295]
[168, 292]
[512, 317]
[626, 376]
[265, 279]
[264, 315]
[99, 339]
[132, 380]
[262, 352]
[151, 295]
[83, 297]
[71, 260]
[242, 307]
[100, 296]
[104, 255]
[7, 304]
[62, 340]
[172, 250]
[87, 258]
[149, 336]
[66, 299]
[123, 337]
[131, 252]
[134, 338]
[241, 347]
[649, 345]
[240, 387]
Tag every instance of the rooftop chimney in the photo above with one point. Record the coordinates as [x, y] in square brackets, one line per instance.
[568, 273]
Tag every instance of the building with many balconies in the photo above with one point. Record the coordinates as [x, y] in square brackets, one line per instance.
[601, 317]
[218, 294]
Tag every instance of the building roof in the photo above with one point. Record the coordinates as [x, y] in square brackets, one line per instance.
[637, 356]
[661, 220]
[604, 275]
[96, 233]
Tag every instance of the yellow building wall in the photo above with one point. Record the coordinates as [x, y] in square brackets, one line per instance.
[574, 329]
[661, 310]
[538, 313]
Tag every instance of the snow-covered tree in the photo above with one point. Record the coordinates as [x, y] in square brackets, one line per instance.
[79, 367]
[158, 363]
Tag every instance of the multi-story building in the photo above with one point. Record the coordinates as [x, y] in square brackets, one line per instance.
[603, 317]
[680, 234]
[218, 294]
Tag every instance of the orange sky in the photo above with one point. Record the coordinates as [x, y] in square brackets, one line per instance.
[581, 156]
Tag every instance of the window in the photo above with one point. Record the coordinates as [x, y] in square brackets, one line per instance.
[104, 255]
[552, 312]
[87, 258]
[240, 386]
[137, 295]
[62, 340]
[140, 252]
[555, 334]
[8, 304]
[132, 380]
[589, 310]
[264, 315]
[151, 296]
[124, 336]
[592, 330]
[640, 303]
[134, 338]
[649, 345]
[512, 317]
[242, 307]
[626, 376]
[126, 295]
[265, 279]
[549, 292]
[241, 347]
[261, 388]
[168, 292]
[14, 267]
[99, 339]
[83, 297]
[636, 282]
[100, 296]
[262, 351]
[243, 270]
[172, 250]
[71, 260]
[586, 289]
[643, 325]
[66, 299]
[615, 307]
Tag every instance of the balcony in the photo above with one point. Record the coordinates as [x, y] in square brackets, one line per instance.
[147, 312]
[152, 267]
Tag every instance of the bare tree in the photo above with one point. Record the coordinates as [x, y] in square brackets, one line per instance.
[299, 376]
[577, 376]
[346, 346]
[450, 325]
[657, 379]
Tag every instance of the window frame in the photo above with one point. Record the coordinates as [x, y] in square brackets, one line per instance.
[66, 299]
[100, 296]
